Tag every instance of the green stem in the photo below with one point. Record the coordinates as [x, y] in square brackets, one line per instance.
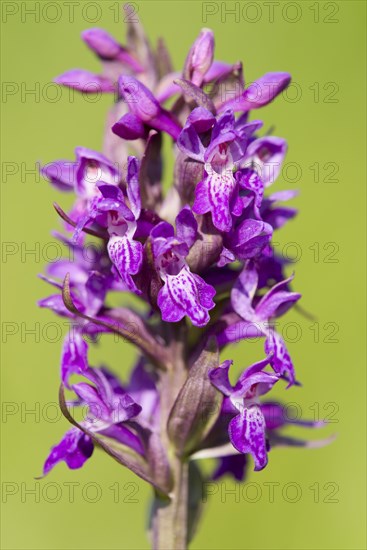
[170, 515]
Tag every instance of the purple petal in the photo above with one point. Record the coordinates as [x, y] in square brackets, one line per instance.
[200, 57]
[164, 230]
[239, 331]
[249, 238]
[186, 294]
[276, 301]
[143, 104]
[93, 169]
[186, 226]
[235, 465]
[166, 122]
[74, 449]
[129, 127]
[243, 293]
[61, 173]
[201, 119]
[249, 180]
[260, 93]
[139, 98]
[267, 153]
[127, 256]
[223, 125]
[254, 384]
[85, 81]
[102, 43]
[213, 194]
[220, 379]
[74, 358]
[275, 415]
[218, 70]
[247, 435]
[123, 435]
[189, 143]
[56, 304]
[281, 361]
[277, 217]
[133, 187]
[226, 257]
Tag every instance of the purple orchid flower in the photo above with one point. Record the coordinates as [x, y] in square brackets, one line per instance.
[108, 408]
[247, 429]
[218, 192]
[121, 221]
[184, 292]
[274, 303]
[209, 235]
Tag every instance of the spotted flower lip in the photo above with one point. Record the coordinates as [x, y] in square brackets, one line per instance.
[247, 428]
[183, 292]
[197, 261]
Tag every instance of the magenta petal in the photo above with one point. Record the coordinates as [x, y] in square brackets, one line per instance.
[267, 153]
[102, 43]
[201, 119]
[214, 194]
[259, 93]
[127, 256]
[281, 361]
[243, 293]
[186, 226]
[189, 143]
[85, 81]
[276, 301]
[186, 294]
[247, 435]
[265, 89]
[75, 448]
[133, 186]
[220, 379]
[139, 98]
[61, 173]
[74, 358]
[129, 127]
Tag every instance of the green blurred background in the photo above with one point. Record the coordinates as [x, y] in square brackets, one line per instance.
[318, 494]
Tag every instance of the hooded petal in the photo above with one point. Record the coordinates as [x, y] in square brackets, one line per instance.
[189, 143]
[220, 379]
[129, 127]
[186, 226]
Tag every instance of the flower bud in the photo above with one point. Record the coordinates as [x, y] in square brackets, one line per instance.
[200, 57]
